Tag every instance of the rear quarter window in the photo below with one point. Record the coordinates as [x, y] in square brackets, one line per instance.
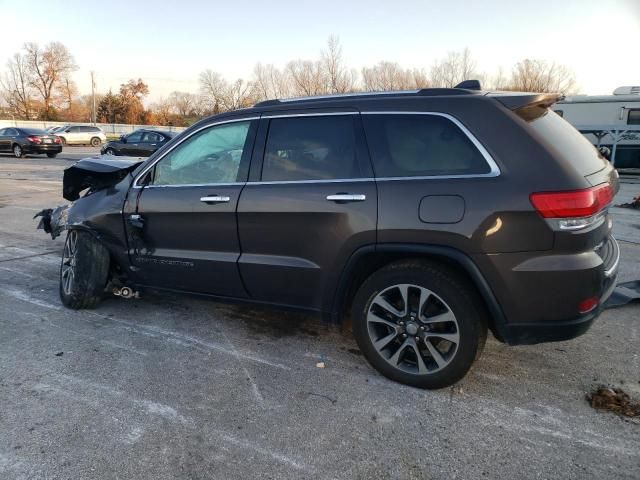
[417, 145]
[568, 142]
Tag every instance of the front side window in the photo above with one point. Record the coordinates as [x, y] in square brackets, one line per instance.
[414, 145]
[634, 117]
[310, 148]
[210, 156]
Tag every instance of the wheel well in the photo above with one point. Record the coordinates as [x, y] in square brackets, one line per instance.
[366, 264]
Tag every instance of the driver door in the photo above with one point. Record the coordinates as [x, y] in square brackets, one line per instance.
[131, 148]
[186, 236]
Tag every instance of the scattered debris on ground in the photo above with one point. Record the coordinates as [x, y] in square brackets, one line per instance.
[634, 204]
[614, 400]
[320, 364]
[59, 354]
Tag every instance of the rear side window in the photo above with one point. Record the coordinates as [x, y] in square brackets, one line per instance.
[310, 148]
[568, 142]
[414, 145]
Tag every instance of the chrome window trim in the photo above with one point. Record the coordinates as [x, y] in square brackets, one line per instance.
[494, 170]
[313, 114]
[164, 154]
[343, 95]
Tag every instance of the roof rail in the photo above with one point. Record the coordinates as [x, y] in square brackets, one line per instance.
[424, 92]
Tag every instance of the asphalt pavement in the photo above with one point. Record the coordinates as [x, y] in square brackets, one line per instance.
[171, 386]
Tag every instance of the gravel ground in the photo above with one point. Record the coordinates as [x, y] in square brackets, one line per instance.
[179, 387]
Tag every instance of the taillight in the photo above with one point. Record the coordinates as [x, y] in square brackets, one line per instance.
[574, 209]
[56, 140]
[33, 139]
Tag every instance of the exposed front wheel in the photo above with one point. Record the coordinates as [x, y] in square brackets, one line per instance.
[83, 271]
[419, 323]
[18, 152]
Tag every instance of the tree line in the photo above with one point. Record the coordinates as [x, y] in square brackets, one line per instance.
[37, 84]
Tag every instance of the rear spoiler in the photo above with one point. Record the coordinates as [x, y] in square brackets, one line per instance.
[516, 100]
[527, 106]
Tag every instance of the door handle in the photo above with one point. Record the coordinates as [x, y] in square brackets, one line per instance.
[347, 197]
[215, 199]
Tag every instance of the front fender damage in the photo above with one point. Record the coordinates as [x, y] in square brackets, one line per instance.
[54, 220]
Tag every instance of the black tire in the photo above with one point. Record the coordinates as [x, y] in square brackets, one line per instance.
[110, 151]
[95, 142]
[52, 155]
[83, 271]
[18, 151]
[444, 289]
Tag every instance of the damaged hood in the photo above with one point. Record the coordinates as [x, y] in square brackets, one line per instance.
[96, 173]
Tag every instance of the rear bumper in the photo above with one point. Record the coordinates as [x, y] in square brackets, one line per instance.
[540, 294]
[557, 331]
[43, 148]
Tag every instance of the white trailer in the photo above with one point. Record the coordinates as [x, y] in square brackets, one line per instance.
[611, 121]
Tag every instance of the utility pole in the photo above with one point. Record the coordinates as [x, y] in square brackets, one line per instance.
[93, 99]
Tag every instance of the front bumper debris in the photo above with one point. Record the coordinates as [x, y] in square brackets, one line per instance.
[54, 220]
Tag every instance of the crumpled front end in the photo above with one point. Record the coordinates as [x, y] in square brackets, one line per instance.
[54, 220]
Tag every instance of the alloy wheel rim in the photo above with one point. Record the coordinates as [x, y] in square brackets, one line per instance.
[67, 273]
[17, 151]
[413, 329]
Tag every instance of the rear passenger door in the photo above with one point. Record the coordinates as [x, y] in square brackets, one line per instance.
[310, 203]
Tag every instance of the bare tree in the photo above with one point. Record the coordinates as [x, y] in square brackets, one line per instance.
[49, 66]
[269, 82]
[339, 78]
[183, 104]
[17, 91]
[453, 69]
[307, 77]
[162, 110]
[387, 76]
[221, 96]
[541, 76]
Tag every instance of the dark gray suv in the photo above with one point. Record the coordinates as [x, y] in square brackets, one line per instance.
[427, 217]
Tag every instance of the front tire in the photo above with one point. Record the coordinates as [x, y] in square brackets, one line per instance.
[83, 271]
[18, 152]
[109, 151]
[419, 323]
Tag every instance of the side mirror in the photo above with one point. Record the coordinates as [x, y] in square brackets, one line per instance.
[67, 131]
[123, 138]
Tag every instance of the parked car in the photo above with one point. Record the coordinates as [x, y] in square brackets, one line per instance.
[426, 217]
[139, 143]
[22, 141]
[81, 135]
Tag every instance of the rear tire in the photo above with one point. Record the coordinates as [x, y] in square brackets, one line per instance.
[18, 151]
[83, 271]
[52, 155]
[95, 142]
[432, 343]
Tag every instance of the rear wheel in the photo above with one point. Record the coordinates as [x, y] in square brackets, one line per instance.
[95, 142]
[83, 271]
[419, 323]
[51, 155]
[18, 152]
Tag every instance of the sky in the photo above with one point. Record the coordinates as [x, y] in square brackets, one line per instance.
[167, 44]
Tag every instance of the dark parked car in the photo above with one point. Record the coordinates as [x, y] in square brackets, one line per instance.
[428, 217]
[22, 141]
[140, 143]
